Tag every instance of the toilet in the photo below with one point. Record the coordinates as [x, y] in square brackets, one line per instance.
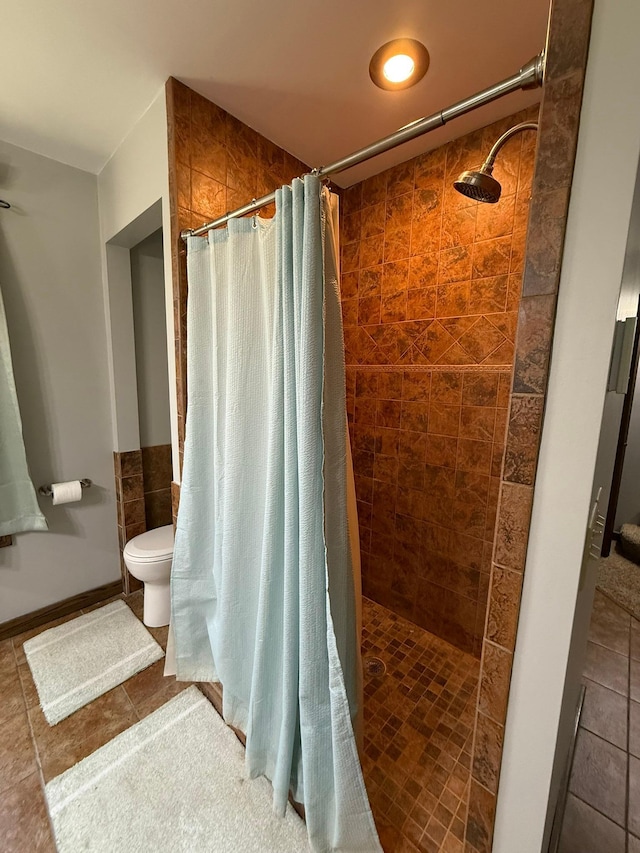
[148, 558]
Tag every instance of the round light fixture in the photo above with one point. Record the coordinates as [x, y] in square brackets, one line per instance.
[398, 68]
[399, 64]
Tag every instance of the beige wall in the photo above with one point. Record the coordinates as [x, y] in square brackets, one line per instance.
[149, 320]
[51, 282]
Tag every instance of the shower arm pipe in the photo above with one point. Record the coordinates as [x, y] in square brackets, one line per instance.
[489, 163]
[530, 76]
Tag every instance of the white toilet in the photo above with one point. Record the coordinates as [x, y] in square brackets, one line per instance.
[148, 558]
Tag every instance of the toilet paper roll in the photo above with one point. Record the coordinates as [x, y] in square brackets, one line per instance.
[66, 493]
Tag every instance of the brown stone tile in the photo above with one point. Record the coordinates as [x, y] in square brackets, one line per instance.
[390, 385]
[135, 603]
[558, 130]
[634, 680]
[494, 682]
[61, 746]
[488, 752]
[495, 220]
[133, 530]
[24, 824]
[634, 729]
[143, 686]
[350, 227]
[350, 257]
[634, 844]
[374, 189]
[208, 196]
[17, 755]
[482, 339]
[423, 270]
[513, 525]
[421, 303]
[131, 512]
[598, 775]
[478, 422]
[482, 807]
[571, 26]
[607, 668]
[604, 713]
[454, 265]
[488, 295]
[523, 438]
[393, 307]
[372, 252]
[130, 488]
[545, 242]
[157, 508]
[12, 700]
[7, 657]
[504, 607]
[400, 179]
[415, 416]
[634, 795]
[474, 455]
[373, 221]
[156, 467]
[441, 450]
[491, 257]
[444, 419]
[29, 689]
[397, 245]
[610, 625]
[584, 830]
[446, 387]
[458, 228]
[128, 463]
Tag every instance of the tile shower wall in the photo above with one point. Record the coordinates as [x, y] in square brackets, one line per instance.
[130, 506]
[156, 481]
[431, 285]
[216, 164]
[143, 497]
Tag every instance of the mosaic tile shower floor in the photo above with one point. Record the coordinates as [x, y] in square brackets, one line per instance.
[418, 729]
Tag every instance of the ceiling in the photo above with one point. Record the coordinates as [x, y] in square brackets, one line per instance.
[79, 74]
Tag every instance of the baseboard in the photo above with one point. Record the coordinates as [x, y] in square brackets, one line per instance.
[55, 611]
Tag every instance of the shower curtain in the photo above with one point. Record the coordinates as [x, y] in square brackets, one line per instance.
[262, 579]
[19, 510]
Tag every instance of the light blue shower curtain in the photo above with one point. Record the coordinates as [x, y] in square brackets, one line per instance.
[262, 582]
[19, 510]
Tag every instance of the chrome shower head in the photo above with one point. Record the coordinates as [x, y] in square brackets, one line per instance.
[480, 186]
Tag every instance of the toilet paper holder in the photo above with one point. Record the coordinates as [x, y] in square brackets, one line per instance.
[48, 491]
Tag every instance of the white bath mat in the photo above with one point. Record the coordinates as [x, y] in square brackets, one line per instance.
[75, 663]
[174, 783]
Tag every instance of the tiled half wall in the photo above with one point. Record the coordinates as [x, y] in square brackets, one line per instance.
[431, 286]
[143, 497]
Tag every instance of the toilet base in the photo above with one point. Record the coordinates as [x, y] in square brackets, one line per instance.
[157, 605]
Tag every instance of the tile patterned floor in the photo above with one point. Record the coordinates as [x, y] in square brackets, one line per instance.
[32, 752]
[418, 721]
[603, 805]
[418, 727]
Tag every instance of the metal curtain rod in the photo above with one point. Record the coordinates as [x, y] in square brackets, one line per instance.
[530, 76]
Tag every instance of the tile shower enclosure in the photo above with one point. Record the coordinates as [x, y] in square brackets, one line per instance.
[431, 284]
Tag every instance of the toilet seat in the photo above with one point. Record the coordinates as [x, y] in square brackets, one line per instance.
[152, 546]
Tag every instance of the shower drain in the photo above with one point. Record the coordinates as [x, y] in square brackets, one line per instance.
[374, 666]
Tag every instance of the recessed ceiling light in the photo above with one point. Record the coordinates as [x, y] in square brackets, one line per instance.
[399, 64]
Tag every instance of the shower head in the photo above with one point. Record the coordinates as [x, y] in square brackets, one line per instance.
[480, 185]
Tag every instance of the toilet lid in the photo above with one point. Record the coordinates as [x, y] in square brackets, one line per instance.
[153, 545]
